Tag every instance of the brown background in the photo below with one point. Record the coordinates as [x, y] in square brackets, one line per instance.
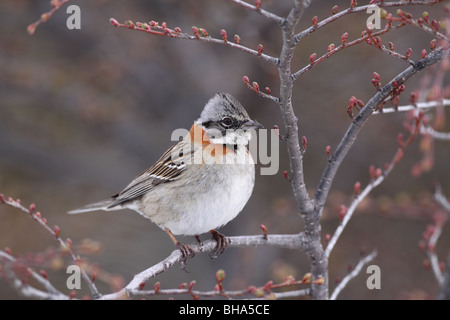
[84, 111]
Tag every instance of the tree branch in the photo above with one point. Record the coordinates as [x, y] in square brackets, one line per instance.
[350, 10]
[377, 179]
[292, 241]
[25, 289]
[355, 272]
[354, 129]
[55, 232]
[417, 106]
[155, 29]
[444, 278]
[261, 11]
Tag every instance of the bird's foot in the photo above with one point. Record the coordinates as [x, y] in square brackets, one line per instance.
[187, 252]
[221, 243]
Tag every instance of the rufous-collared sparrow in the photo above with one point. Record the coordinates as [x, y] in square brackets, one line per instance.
[199, 184]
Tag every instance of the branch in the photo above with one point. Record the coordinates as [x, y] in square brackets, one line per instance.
[444, 293]
[441, 199]
[259, 10]
[350, 10]
[358, 122]
[436, 134]
[25, 289]
[56, 4]
[292, 241]
[289, 118]
[443, 276]
[55, 232]
[377, 178]
[355, 272]
[351, 209]
[262, 292]
[345, 44]
[200, 34]
[417, 106]
[432, 256]
[317, 259]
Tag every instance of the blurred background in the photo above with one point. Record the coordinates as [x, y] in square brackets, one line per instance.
[82, 112]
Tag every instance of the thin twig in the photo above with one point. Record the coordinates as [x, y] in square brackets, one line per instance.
[166, 32]
[264, 13]
[228, 294]
[341, 47]
[292, 241]
[36, 216]
[417, 106]
[432, 256]
[25, 289]
[56, 4]
[441, 199]
[358, 122]
[355, 272]
[372, 185]
[351, 209]
[347, 11]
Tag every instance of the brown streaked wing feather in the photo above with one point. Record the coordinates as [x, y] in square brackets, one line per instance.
[163, 171]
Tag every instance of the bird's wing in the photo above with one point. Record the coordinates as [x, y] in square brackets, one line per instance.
[169, 167]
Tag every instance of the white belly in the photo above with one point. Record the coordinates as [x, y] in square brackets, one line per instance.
[210, 200]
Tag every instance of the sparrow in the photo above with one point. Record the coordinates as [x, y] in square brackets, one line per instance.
[199, 184]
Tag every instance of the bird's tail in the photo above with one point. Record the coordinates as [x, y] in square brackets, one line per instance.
[104, 205]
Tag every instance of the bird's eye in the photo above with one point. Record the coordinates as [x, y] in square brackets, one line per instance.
[227, 122]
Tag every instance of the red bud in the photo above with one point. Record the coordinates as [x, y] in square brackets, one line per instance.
[258, 5]
[342, 212]
[130, 24]
[344, 38]
[196, 32]
[328, 150]
[268, 286]
[203, 32]
[264, 230]
[183, 285]
[433, 44]
[114, 22]
[408, 53]
[191, 285]
[255, 86]
[312, 58]
[32, 208]
[335, 9]
[223, 32]
[331, 47]
[400, 139]
[260, 49]
[31, 29]
[57, 231]
[307, 278]
[357, 188]
[305, 143]
[220, 275]
[156, 287]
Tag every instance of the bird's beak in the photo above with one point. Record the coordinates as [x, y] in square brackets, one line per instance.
[252, 124]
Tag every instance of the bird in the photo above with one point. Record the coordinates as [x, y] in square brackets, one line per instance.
[199, 184]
